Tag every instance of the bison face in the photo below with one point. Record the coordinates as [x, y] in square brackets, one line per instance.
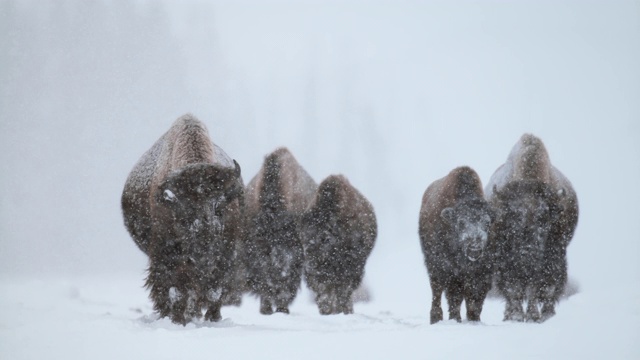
[196, 198]
[470, 222]
[527, 212]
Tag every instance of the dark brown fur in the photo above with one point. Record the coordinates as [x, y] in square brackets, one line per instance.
[339, 231]
[454, 229]
[182, 205]
[537, 213]
[276, 198]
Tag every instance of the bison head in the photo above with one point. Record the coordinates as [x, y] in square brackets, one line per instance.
[470, 222]
[196, 197]
[527, 212]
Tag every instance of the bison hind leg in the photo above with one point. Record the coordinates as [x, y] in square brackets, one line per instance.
[533, 314]
[344, 301]
[514, 294]
[325, 299]
[549, 295]
[266, 308]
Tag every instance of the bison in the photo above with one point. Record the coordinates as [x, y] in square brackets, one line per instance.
[276, 198]
[454, 227]
[182, 205]
[537, 213]
[339, 230]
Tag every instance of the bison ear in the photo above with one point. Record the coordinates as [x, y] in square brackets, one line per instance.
[237, 167]
[447, 215]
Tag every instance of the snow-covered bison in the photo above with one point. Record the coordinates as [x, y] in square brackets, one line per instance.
[276, 198]
[537, 213]
[182, 205]
[338, 231]
[454, 227]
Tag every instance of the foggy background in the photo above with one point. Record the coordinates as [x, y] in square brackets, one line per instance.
[392, 94]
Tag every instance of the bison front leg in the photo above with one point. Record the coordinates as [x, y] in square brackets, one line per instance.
[172, 303]
[436, 299]
[454, 296]
[214, 302]
[168, 298]
[475, 301]
[213, 312]
[284, 299]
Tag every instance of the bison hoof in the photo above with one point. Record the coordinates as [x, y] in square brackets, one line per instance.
[546, 314]
[514, 316]
[283, 310]
[213, 315]
[264, 310]
[179, 319]
[473, 317]
[436, 315]
[325, 311]
[532, 317]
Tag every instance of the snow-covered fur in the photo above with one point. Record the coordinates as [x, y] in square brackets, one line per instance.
[537, 213]
[339, 231]
[276, 198]
[454, 227]
[182, 205]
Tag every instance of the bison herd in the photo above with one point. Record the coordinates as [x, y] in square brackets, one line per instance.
[210, 239]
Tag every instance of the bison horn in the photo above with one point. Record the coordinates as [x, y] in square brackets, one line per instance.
[237, 167]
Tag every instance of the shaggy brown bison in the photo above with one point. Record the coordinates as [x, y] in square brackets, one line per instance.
[182, 206]
[537, 213]
[339, 231]
[276, 198]
[454, 228]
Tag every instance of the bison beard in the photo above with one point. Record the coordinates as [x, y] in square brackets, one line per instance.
[182, 205]
[339, 231]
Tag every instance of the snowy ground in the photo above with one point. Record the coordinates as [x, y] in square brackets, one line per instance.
[98, 317]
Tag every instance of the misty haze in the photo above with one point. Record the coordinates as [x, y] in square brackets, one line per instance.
[393, 95]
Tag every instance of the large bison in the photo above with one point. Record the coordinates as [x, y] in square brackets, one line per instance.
[339, 231]
[182, 205]
[537, 213]
[276, 198]
[454, 227]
